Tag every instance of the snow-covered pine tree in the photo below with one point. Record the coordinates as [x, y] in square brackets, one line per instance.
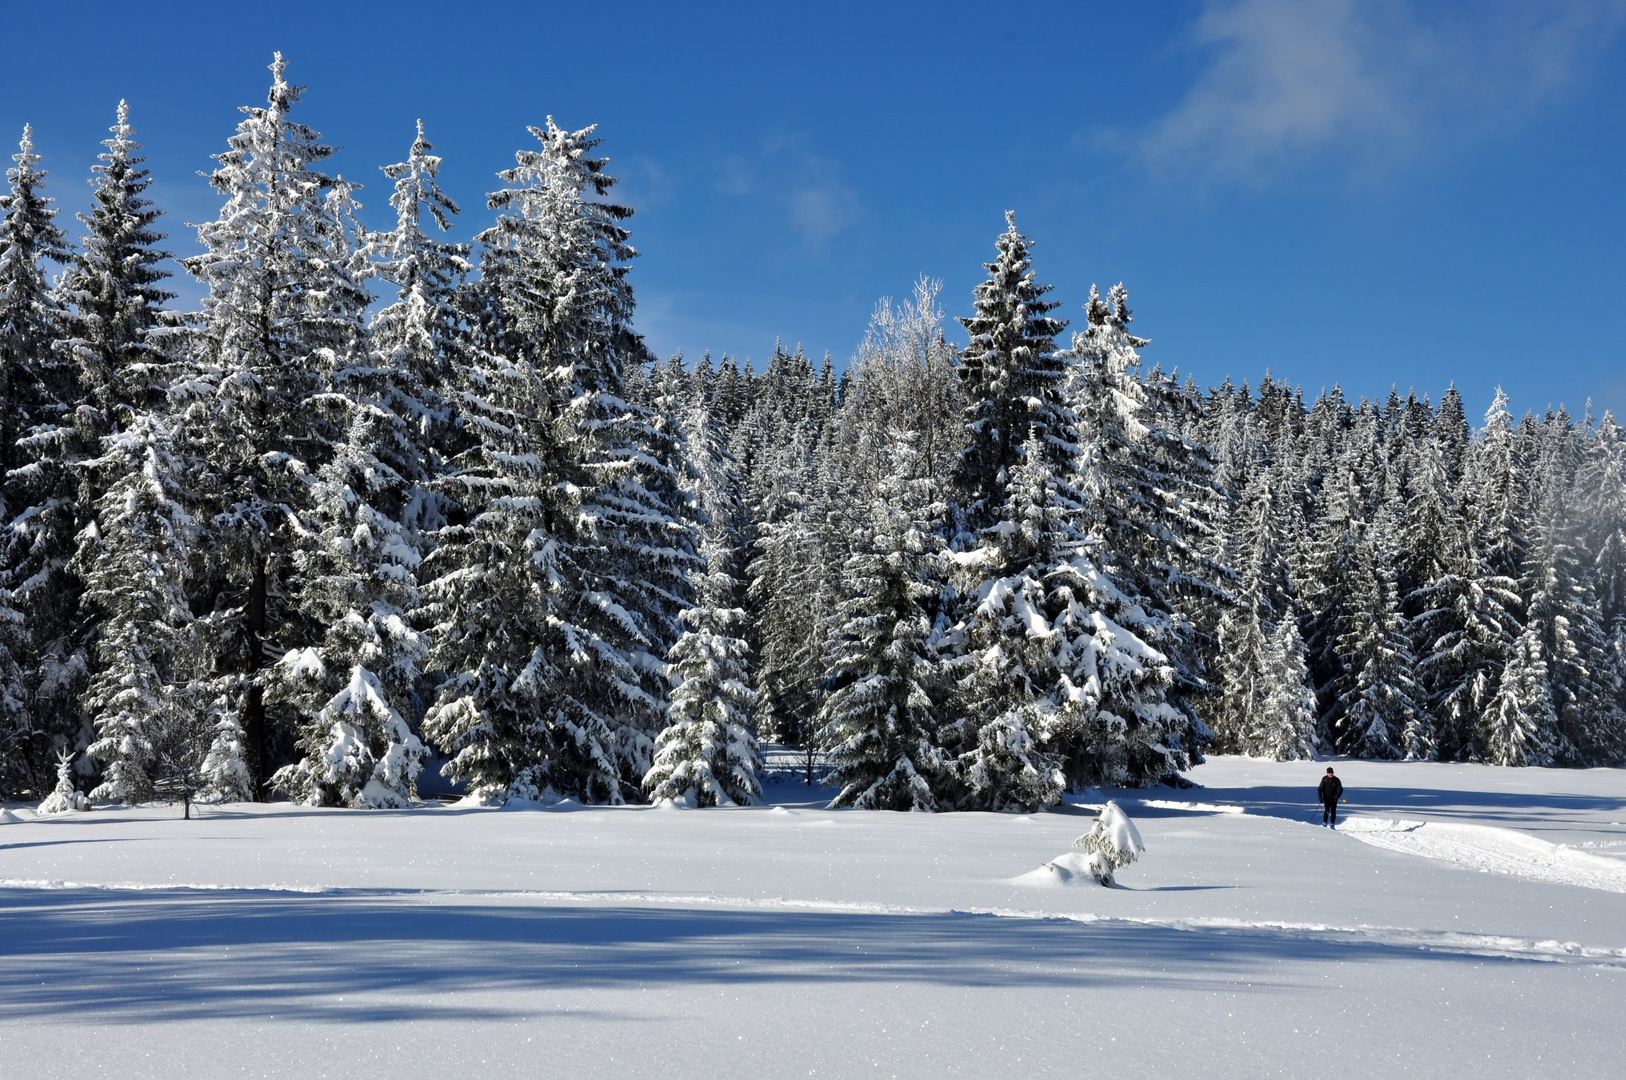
[415, 338]
[1147, 504]
[36, 389]
[150, 656]
[1599, 496]
[120, 373]
[1284, 726]
[1561, 617]
[357, 579]
[1465, 611]
[1495, 492]
[708, 753]
[786, 597]
[282, 315]
[1600, 500]
[371, 511]
[1113, 843]
[1261, 710]
[1006, 667]
[115, 284]
[1011, 379]
[556, 604]
[878, 722]
[1378, 716]
[66, 796]
[31, 318]
[1520, 717]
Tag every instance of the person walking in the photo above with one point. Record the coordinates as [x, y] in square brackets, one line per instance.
[1330, 791]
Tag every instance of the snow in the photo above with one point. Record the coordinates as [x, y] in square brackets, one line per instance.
[1492, 850]
[791, 940]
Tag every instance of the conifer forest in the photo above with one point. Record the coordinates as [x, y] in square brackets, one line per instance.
[388, 503]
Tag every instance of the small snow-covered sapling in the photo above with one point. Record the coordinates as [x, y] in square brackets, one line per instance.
[1113, 843]
[66, 797]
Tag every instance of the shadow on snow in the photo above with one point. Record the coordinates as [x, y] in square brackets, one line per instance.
[174, 954]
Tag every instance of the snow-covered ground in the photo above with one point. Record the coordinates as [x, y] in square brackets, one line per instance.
[1464, 921]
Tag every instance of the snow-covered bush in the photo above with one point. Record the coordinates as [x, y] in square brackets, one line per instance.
[1113, 843]
[66, 797]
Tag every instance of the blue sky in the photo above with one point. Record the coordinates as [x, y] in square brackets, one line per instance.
[1366, 192]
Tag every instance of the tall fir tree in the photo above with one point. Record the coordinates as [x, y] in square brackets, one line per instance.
[37, 390]
[1011, 379]
[282, 316]
[114, 344]
[1006, 665]
[1378, 715]
[1519, 719]
[416, 340]
[708, 753]
[153, 669]
[1148, 503]
[878, 724]
[556, 604]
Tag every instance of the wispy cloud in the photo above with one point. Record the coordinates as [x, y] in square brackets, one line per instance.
[1374, 79]
[820, 207]
[817, 203]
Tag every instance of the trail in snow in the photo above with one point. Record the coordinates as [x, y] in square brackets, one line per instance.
[1492, 850]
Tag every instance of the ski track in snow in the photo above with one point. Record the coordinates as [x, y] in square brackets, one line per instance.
[1489, 946]
[1491, 850]
[1485, 848]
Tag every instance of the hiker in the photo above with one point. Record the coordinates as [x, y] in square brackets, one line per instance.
[1330, 791]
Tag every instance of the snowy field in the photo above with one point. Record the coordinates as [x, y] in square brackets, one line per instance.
[1464, 921]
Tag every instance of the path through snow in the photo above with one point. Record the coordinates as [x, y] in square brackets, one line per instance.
[1491, 850]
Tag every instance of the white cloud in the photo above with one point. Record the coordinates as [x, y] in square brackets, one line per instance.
[1374, 79]
[820, 211]
[817, 203]
[736, 176]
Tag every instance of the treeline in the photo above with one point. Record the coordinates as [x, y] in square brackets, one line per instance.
[301, 540]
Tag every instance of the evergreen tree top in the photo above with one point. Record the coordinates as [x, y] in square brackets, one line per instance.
[119, 224]
[1012, 285]
[268, 138]
[28, 231]
[416, 190]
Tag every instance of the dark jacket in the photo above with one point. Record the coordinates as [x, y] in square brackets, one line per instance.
[1331, 789]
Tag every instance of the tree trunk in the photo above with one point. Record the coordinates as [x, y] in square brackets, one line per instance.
[254, 703]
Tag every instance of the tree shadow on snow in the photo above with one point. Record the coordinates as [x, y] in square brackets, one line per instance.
[58, 843]
[153, 955]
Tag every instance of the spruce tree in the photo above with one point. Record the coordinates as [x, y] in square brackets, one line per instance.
[112, 439]
[357, 578]
[556, 604]
[1562, 616]
[416, 339]
[1011, 379]
[786, 596]
[152, 664]
[708, 754]
[36, 392]
[1147, 502]
[1261, 710]
[282, 316]
[1283, 729]
[115, 284]
[1378, 715]
[878, 722]
[1007, 673]
[1519, 719]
